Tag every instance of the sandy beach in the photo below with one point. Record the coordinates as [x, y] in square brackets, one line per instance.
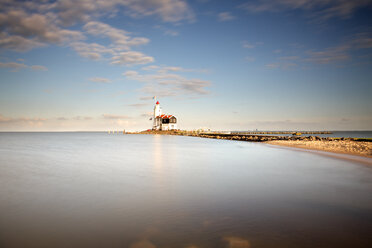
[337, 146]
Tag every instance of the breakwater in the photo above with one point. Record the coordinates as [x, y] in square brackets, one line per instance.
[251, 137]
[281, 132]
[353, 146]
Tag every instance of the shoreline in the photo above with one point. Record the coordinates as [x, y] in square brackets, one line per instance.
[358, 147]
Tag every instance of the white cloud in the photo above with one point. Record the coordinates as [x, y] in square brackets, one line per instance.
[100, 80]
[131, 58]
[150, 67]
[26, 30]
[167, 10]
[225, 16]
[91, 50]
[38, 68]
[118, 51]
[27, 25]
[17, 43]
[165, 69]
[130, 73]
[70, 11]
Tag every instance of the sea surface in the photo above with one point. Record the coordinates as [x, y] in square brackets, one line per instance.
[346, 134]
[147, 191]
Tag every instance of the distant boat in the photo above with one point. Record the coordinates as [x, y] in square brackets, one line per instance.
[297, 133]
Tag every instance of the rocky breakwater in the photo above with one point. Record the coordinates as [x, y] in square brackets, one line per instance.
[353, 146]
[253, 138]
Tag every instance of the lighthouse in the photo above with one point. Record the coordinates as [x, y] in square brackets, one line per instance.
[162, 121]
[157, 112]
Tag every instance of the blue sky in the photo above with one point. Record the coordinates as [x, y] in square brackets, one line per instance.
[226, 65]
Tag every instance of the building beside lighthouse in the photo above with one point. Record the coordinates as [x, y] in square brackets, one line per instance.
[163, 121]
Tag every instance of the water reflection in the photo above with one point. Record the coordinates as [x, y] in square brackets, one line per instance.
[142, 244]
[157, 154]
[236, 242]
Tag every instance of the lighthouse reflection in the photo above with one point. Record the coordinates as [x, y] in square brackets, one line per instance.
[163, 160]
[157, 154]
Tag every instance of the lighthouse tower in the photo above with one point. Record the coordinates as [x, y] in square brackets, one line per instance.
[157, 112]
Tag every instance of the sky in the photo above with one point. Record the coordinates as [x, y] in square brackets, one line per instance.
[94, 65]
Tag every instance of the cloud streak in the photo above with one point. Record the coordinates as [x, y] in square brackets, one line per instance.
[92, 51]
[131, 58]
[330, 55]
[38, 68]
[162, 83]
[17, 66]
[100, 80]
[115, 117]
[317, 9]
[120, 38]
[12, 65]
[225, 16]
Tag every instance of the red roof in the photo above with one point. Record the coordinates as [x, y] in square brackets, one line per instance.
[164, 116]
[157, 102]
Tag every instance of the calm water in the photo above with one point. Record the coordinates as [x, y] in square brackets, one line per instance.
[347, 134]
[146, 191]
